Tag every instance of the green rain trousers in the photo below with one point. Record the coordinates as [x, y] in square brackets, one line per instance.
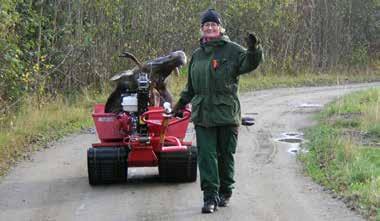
[216, 148]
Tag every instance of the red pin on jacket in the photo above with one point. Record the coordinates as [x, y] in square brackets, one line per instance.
[215, 64]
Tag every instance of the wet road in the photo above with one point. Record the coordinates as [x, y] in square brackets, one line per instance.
[270, 183]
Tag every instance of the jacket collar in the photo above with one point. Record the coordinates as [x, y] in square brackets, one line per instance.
[210, 45]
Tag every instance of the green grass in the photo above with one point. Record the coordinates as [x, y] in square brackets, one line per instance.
[35, 125]
[343, 150]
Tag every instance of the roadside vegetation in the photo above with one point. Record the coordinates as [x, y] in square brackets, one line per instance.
[344, 151]
[39, 122]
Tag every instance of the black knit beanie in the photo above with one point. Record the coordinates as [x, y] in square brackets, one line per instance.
[211, 16]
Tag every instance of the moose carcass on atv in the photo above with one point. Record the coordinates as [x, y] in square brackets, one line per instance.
[136, 132]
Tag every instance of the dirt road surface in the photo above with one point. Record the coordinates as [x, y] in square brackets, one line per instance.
[270, 184]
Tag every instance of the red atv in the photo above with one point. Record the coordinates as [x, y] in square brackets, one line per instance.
[140, 136]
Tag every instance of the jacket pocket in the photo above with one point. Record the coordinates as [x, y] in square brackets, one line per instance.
[224, 110]
[196, 103]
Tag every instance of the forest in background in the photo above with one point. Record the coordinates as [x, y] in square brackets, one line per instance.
[51, 47]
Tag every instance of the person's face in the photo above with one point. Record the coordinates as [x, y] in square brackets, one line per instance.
[210, 30]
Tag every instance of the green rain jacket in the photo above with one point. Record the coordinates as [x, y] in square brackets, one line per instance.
[213, 78]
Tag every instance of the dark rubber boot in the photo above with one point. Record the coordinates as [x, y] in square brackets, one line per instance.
[224, 201]
[210, 206]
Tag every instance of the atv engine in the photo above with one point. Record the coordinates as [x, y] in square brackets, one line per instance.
[134, 103]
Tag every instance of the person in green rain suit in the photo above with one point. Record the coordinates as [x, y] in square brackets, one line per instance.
[212, 89]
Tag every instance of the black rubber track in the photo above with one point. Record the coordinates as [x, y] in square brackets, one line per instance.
[107, 165]
[178, 166]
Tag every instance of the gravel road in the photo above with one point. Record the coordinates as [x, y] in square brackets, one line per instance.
[270, 184]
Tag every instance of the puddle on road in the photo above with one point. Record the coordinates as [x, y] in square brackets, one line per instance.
[294, 140]
[291, 140]
[294, 150]
[309, 105]
[293, 134]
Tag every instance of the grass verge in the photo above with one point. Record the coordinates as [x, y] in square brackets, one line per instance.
[33, 126]
[344, 151]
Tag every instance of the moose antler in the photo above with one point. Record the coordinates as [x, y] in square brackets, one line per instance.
[131, 56]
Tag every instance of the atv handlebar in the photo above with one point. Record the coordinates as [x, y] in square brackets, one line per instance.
[187, 114]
